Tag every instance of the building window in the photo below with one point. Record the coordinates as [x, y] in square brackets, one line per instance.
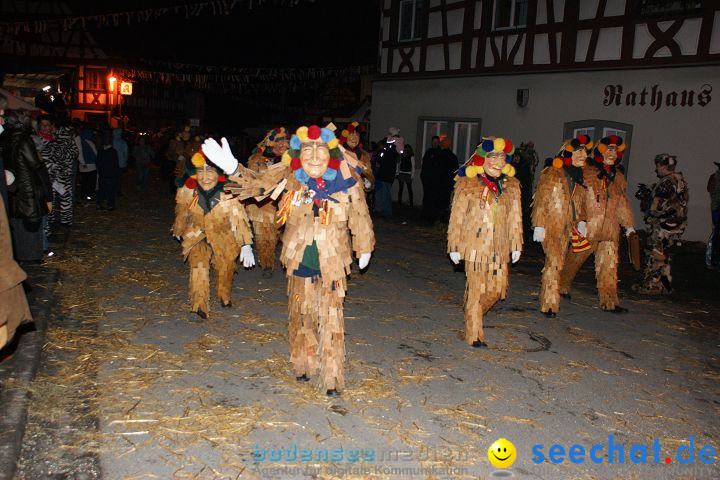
[413, 18]
[463, 132]
[95, 79]
[510, 14]
[662, 8]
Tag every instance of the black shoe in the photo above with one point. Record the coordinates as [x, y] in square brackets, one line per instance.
[566, 295]
[332, 393]
[617, 309]
[201, 313]
[479, 344]
[303, 378]
[550, 314]
[226, 305]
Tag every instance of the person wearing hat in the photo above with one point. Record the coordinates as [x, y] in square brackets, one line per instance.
[712, 254]
[180, 150]
[664, 206]
[558, 216]
[387, 160]
[262, 213]
[350, 138]
[485, 229]
[326, 221]
[607, 209]
[213, 228]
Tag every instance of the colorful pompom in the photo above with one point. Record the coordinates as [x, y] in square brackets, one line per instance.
[301, 175]
[487, 147]
[286, 158]
[506, 168]
[509, 147]
[222, 179]
[471, 171]
[557, 162]
[198, 160]
[511, 171]
[302, 134]
[333, 143]
[499, 145]
[295, 163]
[344, 133]
[329, 175]
[326, 134]
[568, 161]
[478, 160]
[462, 171]
[334, 163]
[295, 143]
[191, 183]
[313, 132]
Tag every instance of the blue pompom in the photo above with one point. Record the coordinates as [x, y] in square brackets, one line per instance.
[301, 176]
[461, 171]
[295, 143]
[329, 175]
[326, 135]
[488, 146]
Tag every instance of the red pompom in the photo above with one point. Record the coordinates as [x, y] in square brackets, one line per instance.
[313, 132]
[477, 159]
[190, 183]
[351, 128]
[613, 139]
[295, 163]
[222, 178]
[278, 130]
[568, 161]
[334, 163]
[508, 146]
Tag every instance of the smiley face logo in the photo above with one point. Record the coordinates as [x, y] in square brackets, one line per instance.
[502, 453]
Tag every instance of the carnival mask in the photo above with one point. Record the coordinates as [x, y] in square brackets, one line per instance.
[494, 163]
[579, 157]
[353, 139]
[314, 157]
[281, 145]
[610, 155]
[207, 177]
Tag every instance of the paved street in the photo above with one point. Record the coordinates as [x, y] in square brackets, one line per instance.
[132, 386]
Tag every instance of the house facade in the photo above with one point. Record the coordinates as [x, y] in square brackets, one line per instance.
[546, 70]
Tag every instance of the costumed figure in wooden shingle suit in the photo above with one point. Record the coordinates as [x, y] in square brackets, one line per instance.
[350, 138]
[485, 229]
[181, 149]
[665, 206]
[558, 216]
[607, 209]
[213, 228]
[262, 213]
[326, 220]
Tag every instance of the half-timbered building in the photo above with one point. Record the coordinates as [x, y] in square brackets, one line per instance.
[545, 70]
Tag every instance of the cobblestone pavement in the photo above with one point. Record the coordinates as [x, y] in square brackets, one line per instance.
[132, 386]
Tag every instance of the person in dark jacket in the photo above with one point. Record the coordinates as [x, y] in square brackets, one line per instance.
[439, 165]
[108, 168]
[31, 192]
[386, 161]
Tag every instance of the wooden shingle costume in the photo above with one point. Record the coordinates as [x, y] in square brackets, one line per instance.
[558, 216]
[213, 227]
[262, 213]
[181, 149]
[485, 229]
[326, 220]
[607, 209]
[350, 138]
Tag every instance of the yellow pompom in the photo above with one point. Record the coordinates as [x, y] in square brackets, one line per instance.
[344, 133]
[286, 158]
[511, 171]
[302, 134]
[506, 169]
[499, 145]
[471, 171]
[602, 148]
[621, 148]
[333, 143]
[558, 162]
[198, 160]
[480, 170]
[354, 124]
[569, 148]
[588, 146]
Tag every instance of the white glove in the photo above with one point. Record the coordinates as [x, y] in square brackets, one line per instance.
[538, 234]
[582, 228]
[220, 155]
[364, 260]
[455, 257]
[9, 178]
[246, 256]
[515, 256]
[628, 231]
[367, 183]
